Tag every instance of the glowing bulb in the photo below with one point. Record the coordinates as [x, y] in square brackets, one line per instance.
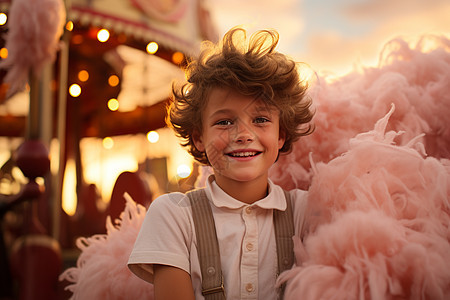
[3, 18]
[69, 26]
[108, 143]
[152, 137]
[3, 53]
[183, 171]
[113, 80]
[83, 75]
[152, 48]
[177, 58]
[113, 104]
[69, 194]
[75, 90]
[103, 35]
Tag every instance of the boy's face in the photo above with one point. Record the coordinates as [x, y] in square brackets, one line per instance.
[241, 136]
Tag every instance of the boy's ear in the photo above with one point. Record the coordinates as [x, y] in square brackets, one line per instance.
[198, 142]
[281, 139]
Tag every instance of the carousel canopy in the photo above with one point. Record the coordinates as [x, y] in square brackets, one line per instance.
[176, 26]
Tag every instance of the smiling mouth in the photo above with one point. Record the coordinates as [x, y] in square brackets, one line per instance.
[243, 154]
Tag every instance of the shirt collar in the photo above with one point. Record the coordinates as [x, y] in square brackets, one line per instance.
[274, 200]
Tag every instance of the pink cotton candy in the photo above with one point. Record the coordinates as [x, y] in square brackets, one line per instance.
[101, 271]
[379, 224]
[414, 78]
[34, 29]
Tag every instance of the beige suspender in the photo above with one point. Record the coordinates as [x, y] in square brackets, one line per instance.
[208, 246]
[284, 231]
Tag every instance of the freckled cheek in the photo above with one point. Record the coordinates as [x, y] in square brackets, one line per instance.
[222, 139]
[217, 143]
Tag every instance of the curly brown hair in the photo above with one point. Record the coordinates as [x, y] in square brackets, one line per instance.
[253, 69]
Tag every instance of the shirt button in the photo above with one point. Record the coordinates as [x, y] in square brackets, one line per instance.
[248, 210]
[249, 287]
[249, 246]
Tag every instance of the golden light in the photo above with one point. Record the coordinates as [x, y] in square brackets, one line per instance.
[83, 75]
[3, 53]
[69, 26]
[152, 47]
[108, 143]
[183, 171]
[103, 35]
[152, 137]
[69, 194]
[113, 80]
[3, 18]
[307, 75]
[104, 166]
[113, 104]
[75, 90]
[177, 57]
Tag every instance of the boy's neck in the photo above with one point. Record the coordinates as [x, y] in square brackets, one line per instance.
[245, 191]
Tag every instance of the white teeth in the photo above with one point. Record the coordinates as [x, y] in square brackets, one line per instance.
[243, 154]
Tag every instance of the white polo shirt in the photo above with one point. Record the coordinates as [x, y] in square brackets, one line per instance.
[245, 233]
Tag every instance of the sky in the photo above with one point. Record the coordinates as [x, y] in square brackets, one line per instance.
[334, 36]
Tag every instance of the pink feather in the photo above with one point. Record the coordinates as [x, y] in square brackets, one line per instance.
[32, 40]
[415, 80]
[379, 225]
[101, 271]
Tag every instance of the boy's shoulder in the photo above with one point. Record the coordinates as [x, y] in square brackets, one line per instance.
[170, 201]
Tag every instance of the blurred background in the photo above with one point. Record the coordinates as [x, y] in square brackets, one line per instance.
[98, 108]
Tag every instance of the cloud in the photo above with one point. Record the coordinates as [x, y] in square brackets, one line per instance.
[334, 51]
[282, 15]
[381, 9]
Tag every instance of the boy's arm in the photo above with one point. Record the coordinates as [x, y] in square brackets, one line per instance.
[172, 283]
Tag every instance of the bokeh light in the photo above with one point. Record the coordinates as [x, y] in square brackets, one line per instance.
[3, 53]
[152, 137]
[75, 90]
[83, 75]
[152, 47]
[108, 143]
[113, 80]
[103, 35]
[113, 104]
[183, 171]
[3, 18]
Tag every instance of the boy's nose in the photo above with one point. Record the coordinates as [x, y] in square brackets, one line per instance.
[243, 134]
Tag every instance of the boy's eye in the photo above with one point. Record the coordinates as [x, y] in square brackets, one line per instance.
[261, 120]
[223, 123]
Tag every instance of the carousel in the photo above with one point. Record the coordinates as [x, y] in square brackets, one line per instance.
[78, 78]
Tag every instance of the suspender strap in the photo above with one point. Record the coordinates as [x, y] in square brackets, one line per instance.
[284, 231]
[207, 246]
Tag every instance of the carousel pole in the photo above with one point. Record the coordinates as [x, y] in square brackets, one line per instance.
[35, 256]
[61, 128]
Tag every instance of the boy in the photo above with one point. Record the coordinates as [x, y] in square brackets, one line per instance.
[242, 106]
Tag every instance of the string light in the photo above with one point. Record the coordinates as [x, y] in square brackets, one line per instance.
[83, 75]
[177, 57]
[3, 53]
[113, 104]
[113, 80]
[69, 26]
[108, 143]
[183, 171]
[152, 137]
[75, 90]
[103, 35]
[3, 18]
[152, 47]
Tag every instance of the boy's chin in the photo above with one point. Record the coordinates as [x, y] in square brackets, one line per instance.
[240, 176]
